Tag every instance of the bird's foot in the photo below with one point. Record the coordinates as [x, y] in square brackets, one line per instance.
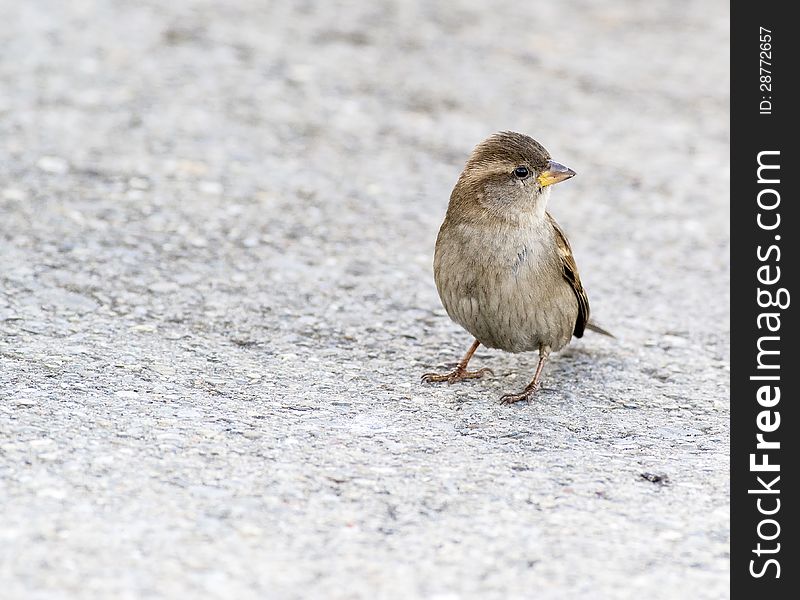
[526, 395]
[457, 375]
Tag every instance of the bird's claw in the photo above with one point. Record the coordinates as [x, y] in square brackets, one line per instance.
[457, 375]
[526, 395]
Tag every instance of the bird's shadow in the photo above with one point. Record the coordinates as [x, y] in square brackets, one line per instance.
[569, 374]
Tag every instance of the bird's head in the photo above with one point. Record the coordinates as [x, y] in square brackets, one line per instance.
[508, 175]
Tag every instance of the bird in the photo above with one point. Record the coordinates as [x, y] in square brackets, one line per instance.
[503, 267]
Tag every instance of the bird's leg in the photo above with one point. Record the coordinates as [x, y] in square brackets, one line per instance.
[460, 370]
[530, 389]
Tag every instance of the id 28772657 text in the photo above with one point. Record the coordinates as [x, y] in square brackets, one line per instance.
[765, 70]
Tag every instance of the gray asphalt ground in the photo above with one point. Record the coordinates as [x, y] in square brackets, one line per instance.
[216, 229]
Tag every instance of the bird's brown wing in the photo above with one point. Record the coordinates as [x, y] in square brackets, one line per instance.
[570, 272]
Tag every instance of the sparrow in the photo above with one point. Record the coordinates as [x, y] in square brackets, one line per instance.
[503, 267]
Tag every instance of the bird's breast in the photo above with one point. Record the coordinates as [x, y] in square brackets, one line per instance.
[505, 286]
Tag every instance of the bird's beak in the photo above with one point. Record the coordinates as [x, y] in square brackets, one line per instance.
[554, 173]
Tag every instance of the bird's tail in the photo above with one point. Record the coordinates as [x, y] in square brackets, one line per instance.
[597, 329]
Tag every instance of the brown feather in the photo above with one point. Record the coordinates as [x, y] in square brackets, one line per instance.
[570, 270]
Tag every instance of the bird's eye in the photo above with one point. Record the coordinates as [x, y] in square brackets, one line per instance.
[521, 172]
